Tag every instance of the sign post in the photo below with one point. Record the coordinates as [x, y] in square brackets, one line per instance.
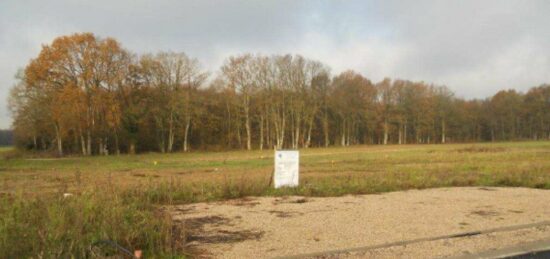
[287, 168]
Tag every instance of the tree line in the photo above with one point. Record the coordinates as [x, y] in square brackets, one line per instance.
[88, 95]
[6, 137]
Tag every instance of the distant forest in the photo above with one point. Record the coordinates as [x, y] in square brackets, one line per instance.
[6, 137]
[87, 95]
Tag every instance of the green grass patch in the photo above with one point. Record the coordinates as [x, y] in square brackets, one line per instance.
[68, 227]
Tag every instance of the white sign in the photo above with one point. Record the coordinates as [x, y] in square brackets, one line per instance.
[287, 167]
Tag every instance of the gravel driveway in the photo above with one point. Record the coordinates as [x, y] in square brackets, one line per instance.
[269, 227]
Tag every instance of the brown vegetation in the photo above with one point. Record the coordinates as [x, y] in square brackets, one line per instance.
[87, 95]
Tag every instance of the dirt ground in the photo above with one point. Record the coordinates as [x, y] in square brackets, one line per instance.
[268, 227]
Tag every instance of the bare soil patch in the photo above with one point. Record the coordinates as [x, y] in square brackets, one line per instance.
[287, 226]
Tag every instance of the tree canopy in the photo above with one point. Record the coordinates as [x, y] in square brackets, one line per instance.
[88, 95]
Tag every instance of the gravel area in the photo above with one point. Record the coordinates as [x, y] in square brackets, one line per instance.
[267, 227]
[453, 248]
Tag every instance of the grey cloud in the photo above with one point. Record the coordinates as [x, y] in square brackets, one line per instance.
[474, 47]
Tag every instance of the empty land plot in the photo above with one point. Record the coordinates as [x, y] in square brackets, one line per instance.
[124, 195]
[331, 171]
[432, 223]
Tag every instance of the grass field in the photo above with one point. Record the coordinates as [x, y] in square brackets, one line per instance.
[120, 197]
[4, 149]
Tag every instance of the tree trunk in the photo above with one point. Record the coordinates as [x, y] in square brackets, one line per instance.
[239, 135]
[348, 134]
[229, 125]
[247, 124]
[385, 132]
[75, 143]
[105, 147]
[326, 129]
[400, 134]
[296, 135]
[58, 140]
[161, 144]
[186, 134]
[343, 140]
[277, 134]
[170, 134]
[443, 131]
[405, 133]
[117, 147]
[310, 126]
[89, 142]
[132, 148]
[268, 132]
[101, 148]
[83, 144]
[292, 133]
[280, 124]
[261, 132]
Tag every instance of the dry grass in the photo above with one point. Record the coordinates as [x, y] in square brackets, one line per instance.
[417, 165]
[158, 179]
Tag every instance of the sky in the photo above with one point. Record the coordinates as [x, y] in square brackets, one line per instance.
[475, 48]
